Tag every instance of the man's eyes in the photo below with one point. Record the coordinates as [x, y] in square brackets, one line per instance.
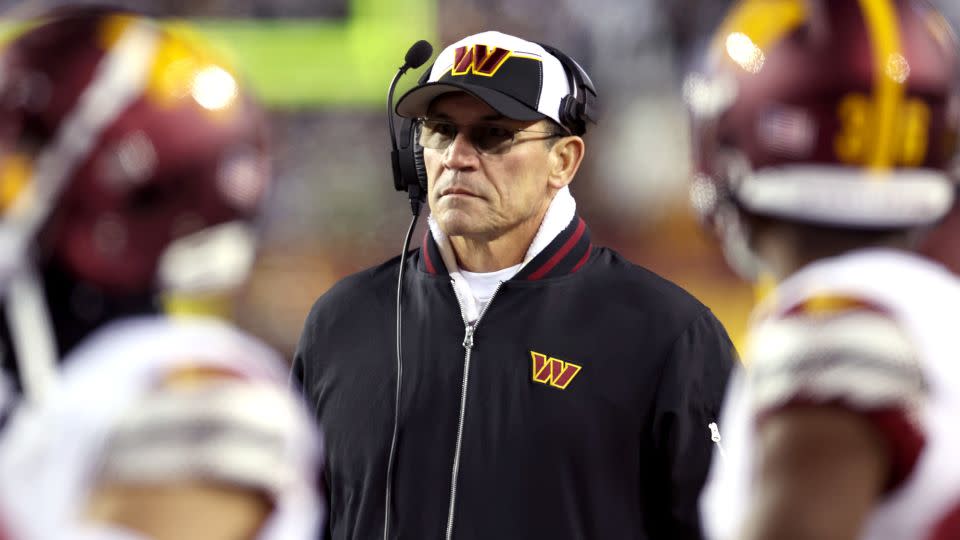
[445, 129]
[497, 131]
[450, 130]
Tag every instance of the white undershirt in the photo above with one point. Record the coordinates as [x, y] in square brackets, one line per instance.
[482, 284]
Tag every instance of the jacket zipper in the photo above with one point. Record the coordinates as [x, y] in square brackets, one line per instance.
[469, 331]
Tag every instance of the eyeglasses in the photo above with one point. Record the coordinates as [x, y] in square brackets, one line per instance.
[485, 138]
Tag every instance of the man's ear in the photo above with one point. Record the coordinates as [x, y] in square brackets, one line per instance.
[565, 158]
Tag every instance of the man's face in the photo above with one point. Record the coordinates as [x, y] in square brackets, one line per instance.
[483, 196]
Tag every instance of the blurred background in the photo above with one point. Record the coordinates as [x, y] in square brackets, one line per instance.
[322, 68]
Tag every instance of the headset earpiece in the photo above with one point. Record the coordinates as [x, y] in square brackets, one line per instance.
[579, 107]
[419, 165]
[413, 174]
[571, 115]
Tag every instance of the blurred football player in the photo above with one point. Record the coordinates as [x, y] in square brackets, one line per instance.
[166, 429]
[825, 137]
[132, 165]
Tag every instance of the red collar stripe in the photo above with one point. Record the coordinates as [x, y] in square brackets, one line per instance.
[544, 268]
[426, 249]
[583, 260]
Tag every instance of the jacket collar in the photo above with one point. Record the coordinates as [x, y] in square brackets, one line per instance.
[566, 253]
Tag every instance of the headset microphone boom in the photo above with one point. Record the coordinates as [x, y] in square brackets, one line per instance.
[408, 175]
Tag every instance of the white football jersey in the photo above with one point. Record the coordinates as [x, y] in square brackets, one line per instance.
[874, 331]
[54, 450]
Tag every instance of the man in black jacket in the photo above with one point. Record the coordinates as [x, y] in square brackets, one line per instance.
[549, 388]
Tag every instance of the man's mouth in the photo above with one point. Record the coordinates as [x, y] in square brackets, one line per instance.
[458, 191]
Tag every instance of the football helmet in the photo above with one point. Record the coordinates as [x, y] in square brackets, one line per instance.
[119, 138]
[841, 113]
[132, 162]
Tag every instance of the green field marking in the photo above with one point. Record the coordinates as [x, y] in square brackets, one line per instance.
[314, 63]
[323, 62]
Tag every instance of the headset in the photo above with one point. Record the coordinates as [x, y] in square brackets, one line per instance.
[410, 175]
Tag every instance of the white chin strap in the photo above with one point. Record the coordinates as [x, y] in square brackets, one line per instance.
[844, 197]
[214, 259]
[848, 196]
[736, 246]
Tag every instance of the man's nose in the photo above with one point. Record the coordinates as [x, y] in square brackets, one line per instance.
[461, 153]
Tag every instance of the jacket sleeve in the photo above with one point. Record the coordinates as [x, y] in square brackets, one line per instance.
[303, 369]
[298, 368]
[299, 382]
[688, 398]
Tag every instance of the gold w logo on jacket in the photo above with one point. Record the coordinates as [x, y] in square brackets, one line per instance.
[552, 371]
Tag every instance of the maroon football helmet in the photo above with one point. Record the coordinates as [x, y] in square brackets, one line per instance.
[841, 113]
[131, 163]
[119, 139]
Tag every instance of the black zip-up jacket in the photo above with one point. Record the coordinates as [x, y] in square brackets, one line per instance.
[590, 386]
